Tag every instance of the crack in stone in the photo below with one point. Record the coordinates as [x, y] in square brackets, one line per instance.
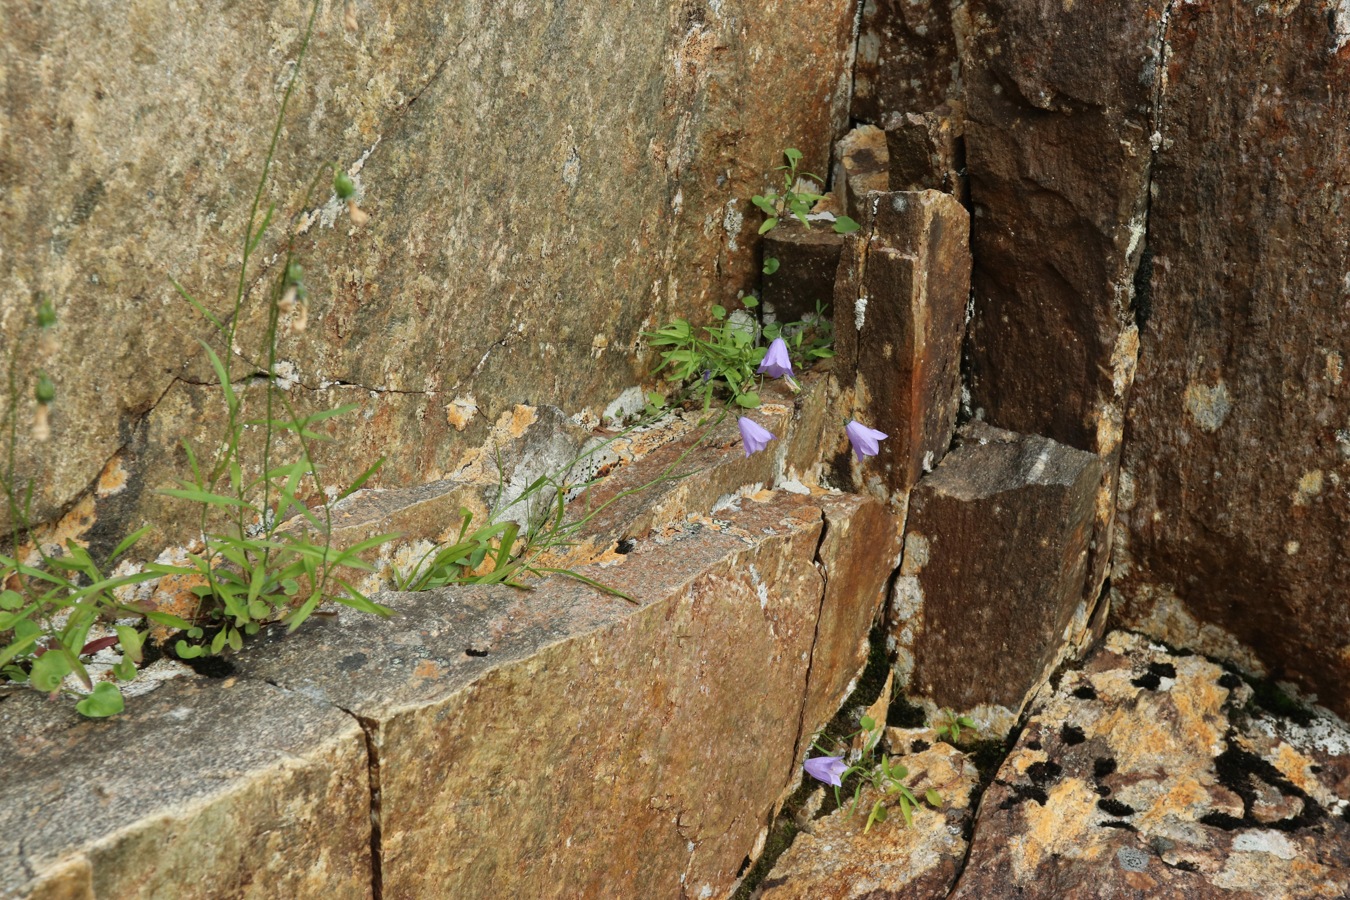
[815, 637]
[370, 729]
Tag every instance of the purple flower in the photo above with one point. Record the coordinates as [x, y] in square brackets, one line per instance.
[826, 769]
[754, 436]
[776, 363]
[863, 439]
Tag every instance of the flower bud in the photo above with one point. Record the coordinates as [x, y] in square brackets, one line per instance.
[45, 392]
[359, 216]
[343, 186]
[295, 273]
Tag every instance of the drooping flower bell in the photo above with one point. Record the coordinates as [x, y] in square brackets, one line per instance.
[755, 436]
[863, 439]
[826, 768]
[776, 363]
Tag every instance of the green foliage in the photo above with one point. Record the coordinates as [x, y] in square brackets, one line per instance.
[274, 560]
[722, 361]
[951, 725]
[888, 779]
[791, 202]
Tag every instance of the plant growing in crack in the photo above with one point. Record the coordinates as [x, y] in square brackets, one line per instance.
[275, 560]
[794, 201]
[869, 769]
[951, 725]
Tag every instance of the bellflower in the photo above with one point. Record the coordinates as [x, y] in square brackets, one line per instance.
[754, 436]
[776, 363]
[863, 439]
[826, 769]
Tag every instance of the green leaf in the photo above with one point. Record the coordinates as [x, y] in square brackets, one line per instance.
[223, 373]
[749, 400]
[793, 154]
[906, 811]
[10, 600]
[184, 650]
[769, 225]
[196, 495]
[105, 700]
[218, 642]
[770, 265]
[197, 306]
[131, 641]
[867, 723]
[750, 301]
[933, 797]
[125, 670]
[258, 235]
[845, 225]
[362, 479]
[20, 645]
[48, 670]
[719, 312]
[127, 542]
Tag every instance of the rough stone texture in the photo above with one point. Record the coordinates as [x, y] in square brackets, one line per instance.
[1059, 101]
[835, 860]
[541, 185]
[1131, 781]
[900, 305]
[808, 259]
[202, 789]
[1237, 536]
[926, 151]
[861, 165]
[990, 594]
[534, 737]
[857, 555]
[907, 59]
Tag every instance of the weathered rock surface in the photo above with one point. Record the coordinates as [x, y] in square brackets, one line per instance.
[808, 259]
[495, 146]
[1059, 118]
[900, 305]
[861, 165]
[835, 860]
[907, 59]
[991, 590]
[564, 723]
[202, 790]
[1133, 779]
[927, 151]
[1234, 498]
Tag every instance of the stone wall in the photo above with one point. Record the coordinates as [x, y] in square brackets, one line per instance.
[544, 180]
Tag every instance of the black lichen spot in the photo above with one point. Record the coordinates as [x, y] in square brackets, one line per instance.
[1268, 695]
[1116, 808]
[210, 666]
[1086, 692]
[1044, 772]
[1229, 680]
[1022, 793]
[1072, 735]
[918, 746]
[1033, 744]
[1149, 681]
[1186, 865]
[745, 864]
[1124, 826]
[1103, 766]
[1103, 790]
[1345, 813]
[1221, 820]
[351, 662]
[474, 651]
[1143, 286]
[627, 545]
[903, 714]
[1162, 669]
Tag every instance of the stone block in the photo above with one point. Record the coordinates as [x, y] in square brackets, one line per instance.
[900, 306]
[991, 588]
[926, 151]
[1058, 136]
[861, 165]
[202, 789]
[565, 742]
[807, 261]
[907, 59]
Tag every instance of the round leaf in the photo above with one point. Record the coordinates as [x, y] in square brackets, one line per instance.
[868, 723]
[106, 700]
[48, 671]
[770, 265]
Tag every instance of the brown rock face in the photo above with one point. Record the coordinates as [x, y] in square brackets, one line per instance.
[900, 306]
[994, 569]
[861, 165]
[206, 790]
[563, 742]
[835, 860]
[1237, 534]
[907, 59]
[1138, 778]
[1059, 117]
[927, 150]
[808, 259]
[538, 182]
